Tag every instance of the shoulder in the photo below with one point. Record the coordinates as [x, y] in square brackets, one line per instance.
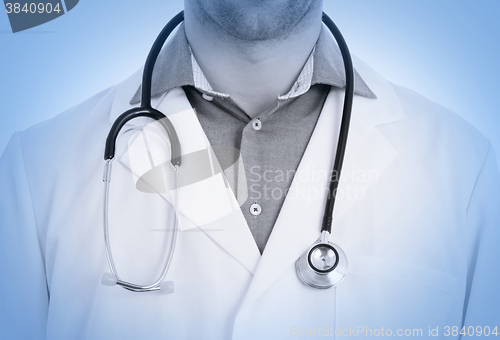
[439, 130]
[431, 140]
[91, 117]
[70, 123]
[420, 126]
[62, 147]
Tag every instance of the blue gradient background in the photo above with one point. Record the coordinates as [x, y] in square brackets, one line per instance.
[447, 50]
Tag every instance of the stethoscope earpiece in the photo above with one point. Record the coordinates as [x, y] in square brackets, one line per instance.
[323, 265]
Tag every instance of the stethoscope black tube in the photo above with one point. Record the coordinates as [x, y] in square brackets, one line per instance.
[145, 109]
[175, 146]
[344, 127]
[147, 76]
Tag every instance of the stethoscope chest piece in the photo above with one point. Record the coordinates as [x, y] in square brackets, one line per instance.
[323, 265]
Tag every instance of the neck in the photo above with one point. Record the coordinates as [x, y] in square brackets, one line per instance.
[253, 73]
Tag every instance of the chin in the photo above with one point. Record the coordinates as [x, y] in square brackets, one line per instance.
[257, 20]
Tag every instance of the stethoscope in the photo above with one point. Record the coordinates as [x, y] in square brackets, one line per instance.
[322, 266]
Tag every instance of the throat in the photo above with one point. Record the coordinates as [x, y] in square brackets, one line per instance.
[253, 73]
[254, 91]
[255, 85]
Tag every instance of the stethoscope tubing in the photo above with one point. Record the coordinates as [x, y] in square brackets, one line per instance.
[344, 127]
[109, 255]
[145, 110]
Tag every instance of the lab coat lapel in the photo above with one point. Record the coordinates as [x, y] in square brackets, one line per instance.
[368, 152]
[229, 230]
[227, 227]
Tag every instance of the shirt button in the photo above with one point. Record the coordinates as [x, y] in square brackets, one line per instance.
[257, 124]
[207, 97]
[255, 209]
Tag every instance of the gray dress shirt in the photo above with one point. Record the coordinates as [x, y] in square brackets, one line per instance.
[268, 148]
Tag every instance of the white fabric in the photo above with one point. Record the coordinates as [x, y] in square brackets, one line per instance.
[420, 233]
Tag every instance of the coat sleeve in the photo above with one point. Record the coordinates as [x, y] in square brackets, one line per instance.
[24, 297]
[482, 301]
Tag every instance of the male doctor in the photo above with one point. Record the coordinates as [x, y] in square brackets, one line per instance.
[417, 211]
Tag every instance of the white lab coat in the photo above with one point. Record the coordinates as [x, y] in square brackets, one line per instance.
[417, 216]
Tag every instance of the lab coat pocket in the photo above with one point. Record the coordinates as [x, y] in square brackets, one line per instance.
[380, 292]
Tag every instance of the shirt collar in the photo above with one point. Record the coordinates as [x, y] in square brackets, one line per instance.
[201, 82]
[176, 66]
